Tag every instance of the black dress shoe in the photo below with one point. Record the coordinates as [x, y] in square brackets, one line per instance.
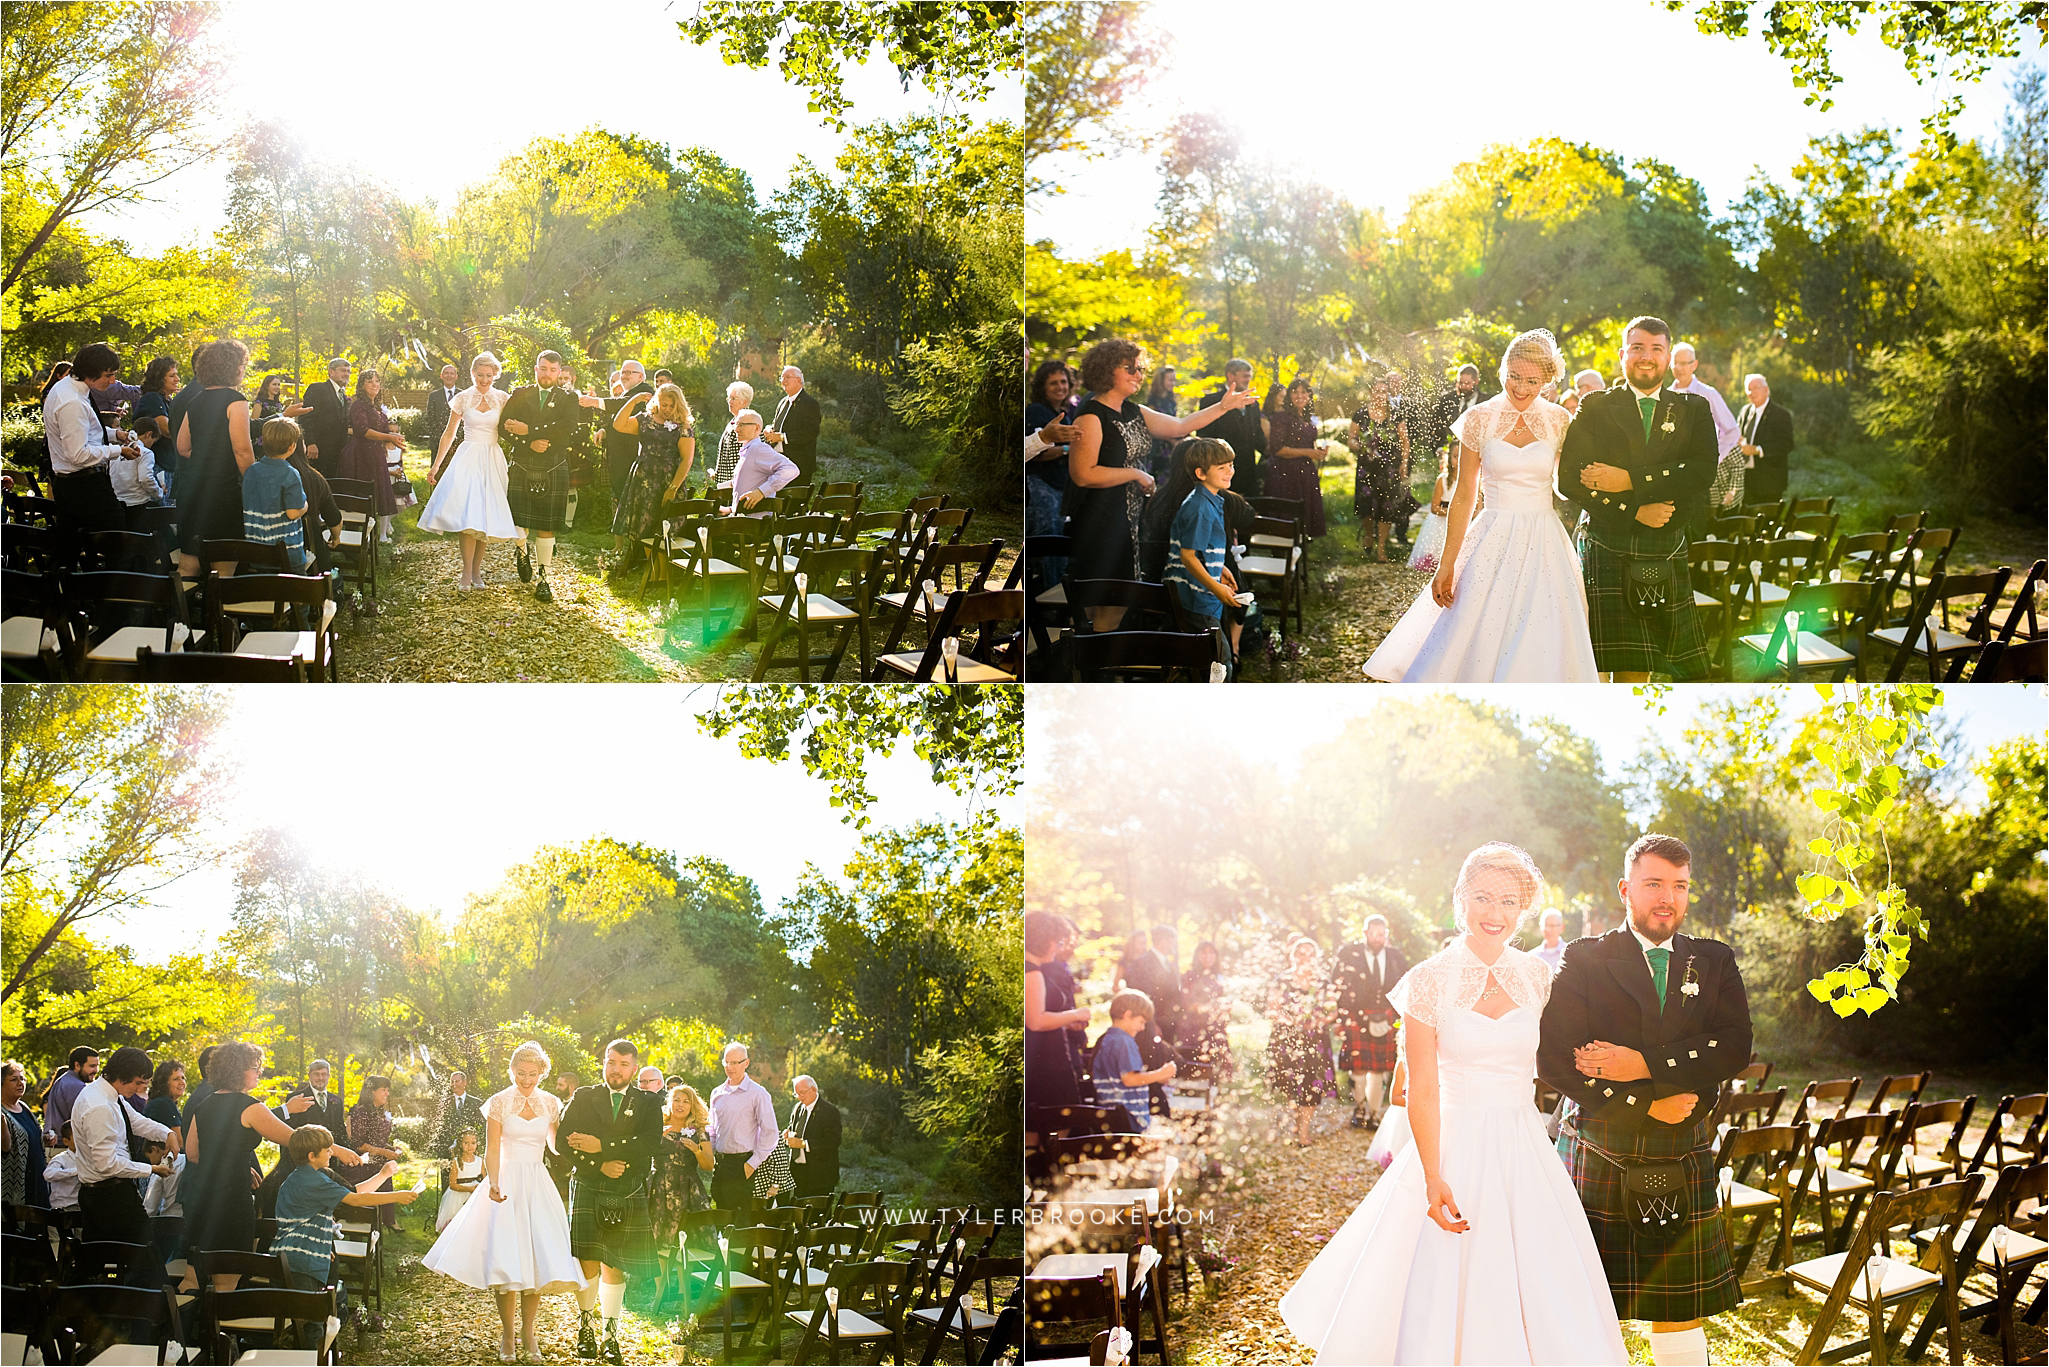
[611, 1353]
[541, 589]
[1358, 1120]
[525, 563]
[586, 1334]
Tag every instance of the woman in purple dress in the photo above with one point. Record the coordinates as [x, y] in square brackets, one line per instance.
[372, 435]
[1291, 466]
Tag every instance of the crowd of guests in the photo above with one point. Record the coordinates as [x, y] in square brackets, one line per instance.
[1145, 493]
[258, 465]
[133, 1152]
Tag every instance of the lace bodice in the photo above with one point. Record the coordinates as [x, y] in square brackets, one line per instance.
[480, 418]
[1514, 478]
[524, 1137]
[1453, 979]
[1480, 1061]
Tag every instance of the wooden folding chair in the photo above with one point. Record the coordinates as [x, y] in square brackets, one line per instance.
[1746, 1110]
[1790, 651]
[1826, 1100]
[85, 1321]
[1942, 649]
[356, 549]
[1819, 527]
[1281, 568]
[677, 523]
[1805, 506]
[1864, 556]
[301, 612]
[109, 600]
[724, 557]
[970, 565]
[1845, 1278]
[854, 1307]
[1720, 592]
[2013, 1134]
[1155, 655]
[1989, 1242]
[134, 552]
[1849, 1174]
[755, 1268]
[38, 640]
[1058, 1308]
[1905, 1165]
[283, 1319]
[957, 1315]
[1735, 528]
[206, 666]
[1767, 516]
[1762, 1164]
[962, 610]
[1898, 1091]
[817, 602]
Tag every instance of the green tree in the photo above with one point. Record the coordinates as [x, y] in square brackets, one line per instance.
[956, 50]
[106, 792]
[1084, 59]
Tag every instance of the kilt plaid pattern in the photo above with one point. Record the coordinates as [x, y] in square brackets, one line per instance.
[628, 1245]
[538, 495]
[1361, 1051]
[1627, 641]
[1684, 1277]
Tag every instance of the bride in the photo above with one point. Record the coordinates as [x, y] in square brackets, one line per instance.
[1507, 604]
[515, 1243]
[471, 500]
[1473, 1247]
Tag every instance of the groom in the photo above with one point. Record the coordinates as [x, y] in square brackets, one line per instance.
[1643, 1027]
[612, 1132]
[1639, 460]
[541, 425]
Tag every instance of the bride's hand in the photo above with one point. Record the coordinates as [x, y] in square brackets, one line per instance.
[1606, 479]
[497, 1195]
[1442, 1202]
[1440, 586]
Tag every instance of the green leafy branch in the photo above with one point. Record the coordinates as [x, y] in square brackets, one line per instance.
[1877, 733]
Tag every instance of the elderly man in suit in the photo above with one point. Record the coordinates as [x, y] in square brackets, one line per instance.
[794, 431]
[441, 398]
[326, 424]
[1767, 432]
[1361, 975]
[813, 1135]
[309, 1103]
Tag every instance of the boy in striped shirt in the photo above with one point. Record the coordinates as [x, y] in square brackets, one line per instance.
[273, 495]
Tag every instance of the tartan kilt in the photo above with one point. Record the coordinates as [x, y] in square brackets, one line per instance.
[538, 495]
[1627, 641]
[1688, 1276]
[628, 1246]
[1361, 1052]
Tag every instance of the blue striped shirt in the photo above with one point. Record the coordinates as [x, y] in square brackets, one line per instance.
[1117, 1054]
[270, 489]
[1198, 525]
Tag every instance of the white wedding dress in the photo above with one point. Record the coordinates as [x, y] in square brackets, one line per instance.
[471, 494]
[522, 1242]
[1519, 605]
[1524, 1283]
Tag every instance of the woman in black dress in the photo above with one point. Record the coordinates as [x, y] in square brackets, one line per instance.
[1052, 1077]
[214, 452]
[1206, 1011]
[1298, 1051]
[1380, 489]
[668, 448]
[153, 413]
[680, 1163]
[218, 1190]
[1293, 455]
[1107, 480]
[167, 1095]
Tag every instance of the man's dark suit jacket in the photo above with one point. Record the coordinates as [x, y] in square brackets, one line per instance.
[632, 1138]
[1358, 990]
[1604, 991]
[798, 418]
[437, 414]
[1765, 482]
[819, 1173]
[334, 1116]
[327, 427]
[1676, 467]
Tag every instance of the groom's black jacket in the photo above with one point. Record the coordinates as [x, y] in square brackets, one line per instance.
[553, 415]
[1676, 467]
[634, 1138]
[1604, 991]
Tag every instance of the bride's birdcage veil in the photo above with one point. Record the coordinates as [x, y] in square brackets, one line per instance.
[1538, 346]
[486, 358]
[1499, 868]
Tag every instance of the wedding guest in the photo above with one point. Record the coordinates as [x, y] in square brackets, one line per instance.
[680, 1163]
[214, 452]
[83, 1067]
[1292, 468]
[1205, 1009]
[109, 1199]
[1362, 974]
[81, 449]
[566, 1085]
[138, 483]
[24, 1159]
[309, 1103]
[1107, 480]
[650, 1079]
[220, 1152]
[1452, 404]
[201, 1092]
[1122, 1078]
[1052, 1063]
[1767, 438]
[663, 377]
[327, 417]
[1298, 1050]
[372, 438]
[1049, 416]
[1589, 382]
[1726, 493]
[761, 471]
[621, 444]
[1380, 486]
[743, 1131]
[460, 1109]
[321, 527]
[270, 402]
[794, 431]
[1198, 543]
[813, 1135]
[666, 440]
[61, 1172]
[739, 394]
[1239, 427]
[161, 1204]
[167, 1095]
[273, 498]
[1159, 397]
[465, 1171]
[441, 399]
[153, 409]
[309, 1201]
[1553, 948]
[58, 370]
[370, 1135]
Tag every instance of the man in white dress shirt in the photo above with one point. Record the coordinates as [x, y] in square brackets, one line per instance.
[1727, 491]
[82, 447]
[102, 1126]
[743, 1131]
[1553, 948]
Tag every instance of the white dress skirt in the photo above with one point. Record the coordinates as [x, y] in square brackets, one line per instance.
[452, 1200]
[1429, 543]
[1523, 1284]
[471, 494]
[522, 1242]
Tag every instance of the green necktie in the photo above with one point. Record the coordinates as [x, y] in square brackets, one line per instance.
[1646, 406]
[619, 1098]
[1659, 958]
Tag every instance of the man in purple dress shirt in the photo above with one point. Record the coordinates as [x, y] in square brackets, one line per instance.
[762, 471]
[1726, 494]
[743, 1131]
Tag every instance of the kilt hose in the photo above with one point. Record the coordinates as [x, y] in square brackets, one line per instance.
[731, 1189]
[538, 493]
[626, 1243]
[1361, 1052]
[1628, 641]
[1675, 1278]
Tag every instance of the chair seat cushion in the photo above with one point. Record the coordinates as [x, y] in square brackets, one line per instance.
[971, 671]
[1268, 539]
[1771, 594]
[896, 600]
[1742, 1197]
[1705, 600]
[351, 1248]
[123, 644]
[1838, 1182]
[1920, 1165]
[1268, 566]
[977, 1319]
[23, 638]
[1945, 642]
[1902, 1278]
[718, 568]
[1056, 594]
[816, 605]
[278, 1357]
[278, 644]
[2019, 1247]
[350, 536]
[1811, 650]
[852, 1324]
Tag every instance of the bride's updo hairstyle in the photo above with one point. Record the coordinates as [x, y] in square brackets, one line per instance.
[1500, 869]
[486, 358]
[530, 1052]
[1540, 347]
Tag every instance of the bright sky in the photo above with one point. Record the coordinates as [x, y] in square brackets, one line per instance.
[1381, 100]
[1612, 715]
[436, 791]
[428, 96]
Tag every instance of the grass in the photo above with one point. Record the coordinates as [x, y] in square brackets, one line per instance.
[599, 629]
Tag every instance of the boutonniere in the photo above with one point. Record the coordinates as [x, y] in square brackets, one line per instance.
[1689, 986]
[1668, 425]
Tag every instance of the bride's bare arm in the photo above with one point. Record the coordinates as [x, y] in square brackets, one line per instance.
[1442, 586]
[492, 1131]
[1426, 1122]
